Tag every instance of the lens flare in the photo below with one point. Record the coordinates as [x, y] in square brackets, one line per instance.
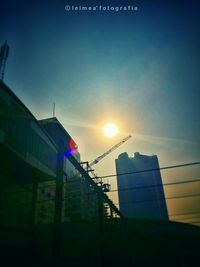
[72, 148]
[110, 130]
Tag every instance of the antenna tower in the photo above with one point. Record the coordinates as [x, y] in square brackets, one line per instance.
[4, 52]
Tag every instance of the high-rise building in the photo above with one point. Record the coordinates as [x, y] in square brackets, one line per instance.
[141, 194]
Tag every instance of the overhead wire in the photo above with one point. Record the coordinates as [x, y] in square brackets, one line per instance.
[133, 172]
[152, 186]
[151, 170]
[49, 183]
[156, 199]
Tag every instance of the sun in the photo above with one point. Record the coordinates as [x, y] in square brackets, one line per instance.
[110, 130]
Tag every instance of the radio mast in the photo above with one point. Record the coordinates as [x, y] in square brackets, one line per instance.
[4, 52]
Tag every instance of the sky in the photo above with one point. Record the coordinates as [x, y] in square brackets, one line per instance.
[137, 69]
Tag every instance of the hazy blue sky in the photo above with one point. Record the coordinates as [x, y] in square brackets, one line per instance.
[139, 69]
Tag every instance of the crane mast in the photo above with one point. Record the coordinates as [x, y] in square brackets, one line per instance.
[95, 161]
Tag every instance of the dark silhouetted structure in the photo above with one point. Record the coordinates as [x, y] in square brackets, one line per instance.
[140, 194]
[28, 171]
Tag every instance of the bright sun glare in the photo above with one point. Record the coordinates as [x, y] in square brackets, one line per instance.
[110, 130]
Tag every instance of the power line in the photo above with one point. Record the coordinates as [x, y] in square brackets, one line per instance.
[85, 201]
[156, 199]
[151, 186]
[135, 172]
[191, 222]
[170, 215]
[150, 170]
[142, 187]
[183, 214]
[142, 171]
[114, 190]
[190, 219]
[128, 202]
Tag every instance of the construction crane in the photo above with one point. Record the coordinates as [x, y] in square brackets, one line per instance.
[95, 161]
[106, 186]
[87, 166]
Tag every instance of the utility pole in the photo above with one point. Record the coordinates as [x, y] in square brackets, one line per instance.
[58, 207]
